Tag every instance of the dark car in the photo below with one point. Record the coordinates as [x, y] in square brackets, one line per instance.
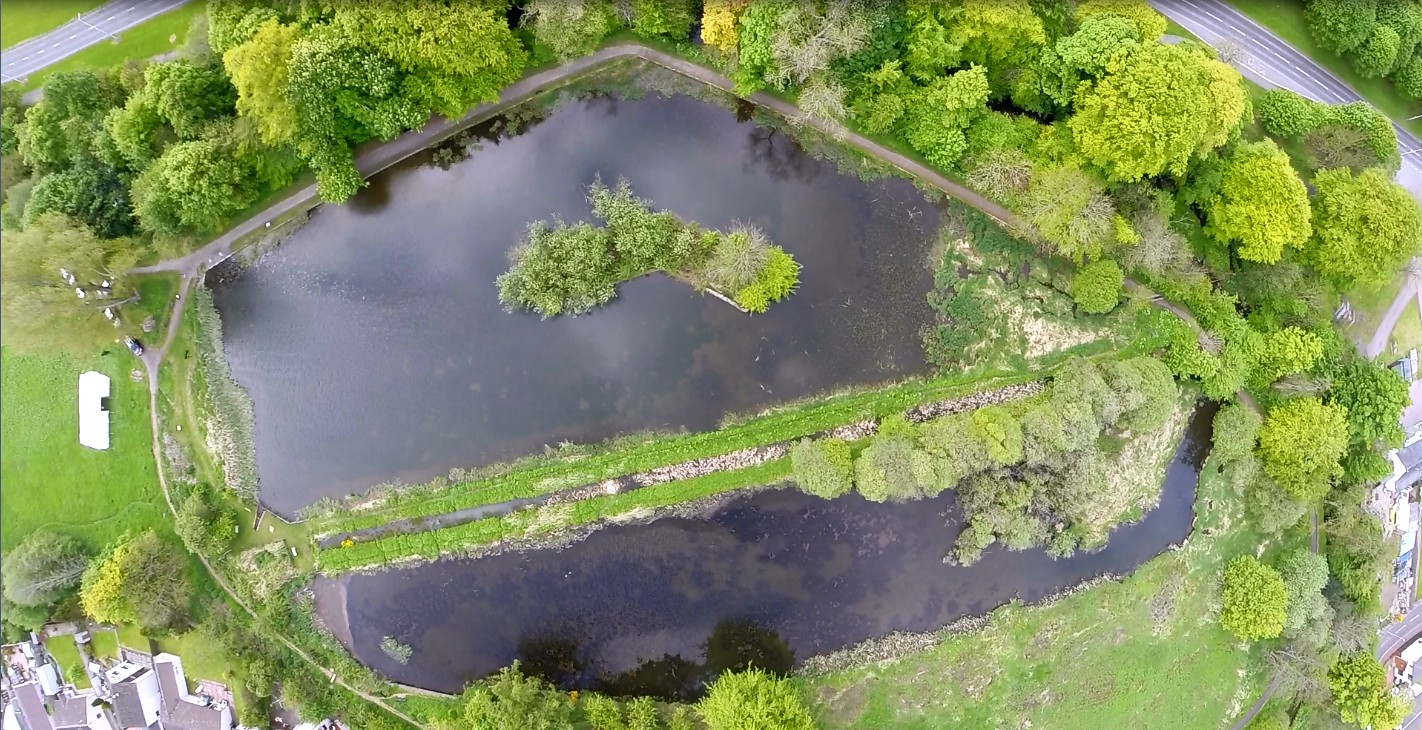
[134, 346]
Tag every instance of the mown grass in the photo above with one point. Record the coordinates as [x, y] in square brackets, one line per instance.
[103, 643]
[1286, 19]
[25, 19]
[1143, 652]
[202, 658]
[50, 480]
[155, 37]
[1407, 333]
[66, 653]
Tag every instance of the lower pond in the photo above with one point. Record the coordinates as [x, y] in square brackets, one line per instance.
[772, 578]
[374, 347]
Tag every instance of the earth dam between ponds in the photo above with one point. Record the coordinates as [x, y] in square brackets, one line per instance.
[770, 578]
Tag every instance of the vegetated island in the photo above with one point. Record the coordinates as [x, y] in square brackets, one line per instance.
[562, 269]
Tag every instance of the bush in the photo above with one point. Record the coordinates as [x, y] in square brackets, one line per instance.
[206, 523]
[891, 469]
[512, 701]
[1236, 428]
[778, 279]
[1097, 286]
[1255, 600]
[1000, 432]
[753, 700]
[823, 467]
[559, 270]
[1289, 115]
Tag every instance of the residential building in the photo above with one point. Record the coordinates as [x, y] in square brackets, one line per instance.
[182, 710]
[133, 694]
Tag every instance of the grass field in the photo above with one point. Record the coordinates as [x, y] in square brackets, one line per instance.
[67, 654]
[202, 658]
[157, 36]
[1407, 334]
[1144, 652]
[23, 19]
[50, 480]
[1286, 19]
[103, 643]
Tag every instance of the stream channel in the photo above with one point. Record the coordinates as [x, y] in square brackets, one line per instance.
[374, 347]
[769, 578]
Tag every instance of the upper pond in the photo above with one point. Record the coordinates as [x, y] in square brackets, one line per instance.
[773, 578]
[374, 347]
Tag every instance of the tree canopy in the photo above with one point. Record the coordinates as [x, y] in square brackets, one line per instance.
[1262, 206]
[1255, 600]
[1301, 444]
[1365, 226]
[44, 568]
[752, 699]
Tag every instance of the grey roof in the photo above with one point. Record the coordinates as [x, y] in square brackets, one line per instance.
[180, 715]
[1411, 456]
[71, 712]
[30, 701]
[127, 705]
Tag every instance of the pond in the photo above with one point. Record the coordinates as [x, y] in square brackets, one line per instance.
[773, 577]
[374, 347]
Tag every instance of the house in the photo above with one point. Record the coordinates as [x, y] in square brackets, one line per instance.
[133, 693]
[80, 711]
[181, 710]
[28, 704]
[93, 410]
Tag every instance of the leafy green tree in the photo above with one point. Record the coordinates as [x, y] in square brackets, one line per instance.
[559, 270]
[1255, 600]
[260, 69]
[1300, 446]
[232, 22]
[195, 186]
[1378, 54]
[12, 112]
[1070, 208]
[822, 467]
[59, 129]
[1364, 227]
[187, 95]
[137, 131]
[1341, 25]
[1309, 616]
[1144, 394]
[1262, 205]
[758, 27]
[1150, 24]
[1097, 286]
[1287, 351]
[665, 18]
[511, 701]
[143, 579]
[42, 313]
[1289, 115]
[892, 470]
[1235, 429]
[1155, 108]
[936, 115]
[1271, 508]
[752, 700]
[1272, 717]
[1000, 431]
[27, 618]
[928, 53]
[642, 239]
[1408, 78]
[1406, 19]
[573, 28]
[1085, 52]
[1359, 687]
[1374, 397]
[1002, 36]
[205, 522]
[89, 192]
[43, 569]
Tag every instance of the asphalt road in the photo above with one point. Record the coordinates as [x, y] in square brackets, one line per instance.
[1270, 62]
[29, 56]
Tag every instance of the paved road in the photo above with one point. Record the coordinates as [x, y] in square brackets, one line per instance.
[29, 56]
[1271, 62]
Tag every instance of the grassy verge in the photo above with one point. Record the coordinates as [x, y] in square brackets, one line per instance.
[155, 37]
[1407, 333]
[66, 653]
[1143, 652]
[53, 482]
[25, 19]
[1286, 20]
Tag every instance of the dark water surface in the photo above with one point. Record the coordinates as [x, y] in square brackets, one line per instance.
[773, 577]
[374, 347]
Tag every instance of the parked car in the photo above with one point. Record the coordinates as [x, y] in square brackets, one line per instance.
[134, 346]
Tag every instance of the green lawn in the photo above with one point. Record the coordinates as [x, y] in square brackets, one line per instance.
[49, 479]
[157, 36]
[1144, 652]
[67, 654]
[1286, 19]
[202, 659]
[23, 19]
[103, 643]
[1407, 334]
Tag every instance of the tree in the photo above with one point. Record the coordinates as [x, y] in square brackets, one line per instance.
[718, 23]
[559, 269]
[1156, 107]
[187, 95]
[194, 187]
[822, 467]
[1309, 616]
[1359, 687]
[1364, 227]
[1097, 286]
[1235, 429]
[997, 429]
[1336, 145]
[752, 700]
[1149, 24]
[1374, 397]
[260, 69]
[666, 18]
[1289, 115]
[1408, 79]
[1069, 207]
[936, 115]
[570, 29]
[1378, 54]
[1255, 600]
[1286, 351]
[89, 192]
[41, 309]
[892, 470]
[205, 522]
[1262, 205]
[43, 569]
[143, 579]
[12, 112]
[511, 701]
[1341, 25]
[1097, 38]
[1002, 36]
[1301, 444]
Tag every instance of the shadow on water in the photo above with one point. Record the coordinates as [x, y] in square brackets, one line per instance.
[375, 349]
[769, 579]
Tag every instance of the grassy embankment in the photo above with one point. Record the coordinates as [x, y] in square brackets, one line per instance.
[1143, 652]
[1286, 19]
[152, 38]
[25, 19]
